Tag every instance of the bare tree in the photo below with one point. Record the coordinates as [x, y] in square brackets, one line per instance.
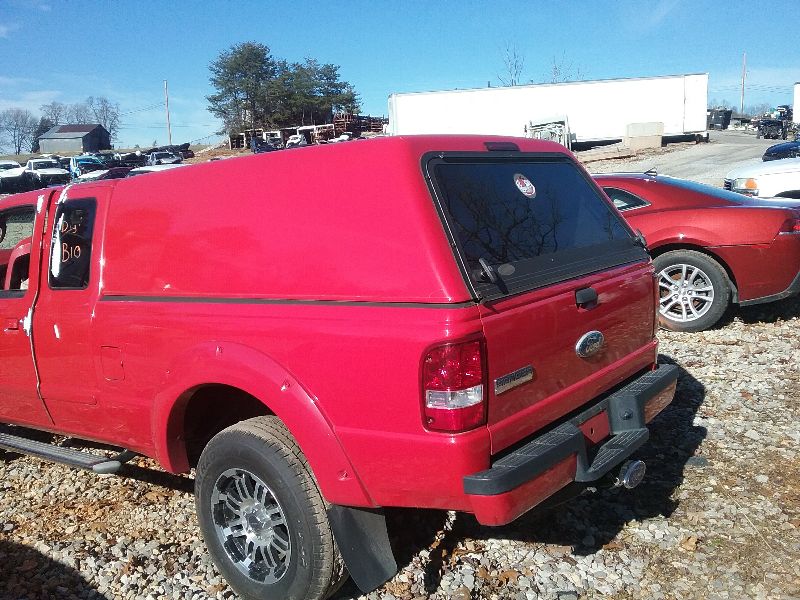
[563, 70]
[105, 112]
[724, 104]
[78, 113]
[513, 64]
[17, 127]
[755, 110]
[55, 112]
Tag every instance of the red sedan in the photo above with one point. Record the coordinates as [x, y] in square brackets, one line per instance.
[711, 248]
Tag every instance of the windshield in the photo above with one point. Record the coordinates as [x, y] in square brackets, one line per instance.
[162, 155]
[7, 166]
[44, 164]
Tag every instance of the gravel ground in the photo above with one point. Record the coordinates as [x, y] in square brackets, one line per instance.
[717, 516]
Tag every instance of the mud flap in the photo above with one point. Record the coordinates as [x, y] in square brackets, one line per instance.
[364, 543]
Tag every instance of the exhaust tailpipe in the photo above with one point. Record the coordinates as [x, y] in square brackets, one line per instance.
[631, 474]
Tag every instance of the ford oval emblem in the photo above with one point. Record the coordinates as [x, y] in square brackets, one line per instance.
[590, 344]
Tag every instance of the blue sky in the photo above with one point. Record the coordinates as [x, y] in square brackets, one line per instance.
[66, 51]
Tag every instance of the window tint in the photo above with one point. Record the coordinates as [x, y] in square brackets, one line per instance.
[71, 248]
[623, 200]
[532, 223]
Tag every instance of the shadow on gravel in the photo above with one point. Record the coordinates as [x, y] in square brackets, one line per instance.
[763, 313]
[582, 525]
[27, 573]
[178, 483]
[770, 313]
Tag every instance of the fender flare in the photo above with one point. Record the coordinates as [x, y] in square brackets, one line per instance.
[257, 374]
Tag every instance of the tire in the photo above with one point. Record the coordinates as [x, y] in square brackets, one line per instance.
[290, 543]
[694, 290]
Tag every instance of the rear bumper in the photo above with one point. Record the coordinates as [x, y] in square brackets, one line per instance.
[540, 467]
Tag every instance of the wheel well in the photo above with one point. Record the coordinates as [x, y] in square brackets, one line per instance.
[212, 408]
[670, 247]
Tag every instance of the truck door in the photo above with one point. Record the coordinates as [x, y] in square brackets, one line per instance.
[19, 399]
[62, 321]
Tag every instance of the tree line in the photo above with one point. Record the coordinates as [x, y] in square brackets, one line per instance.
[20, 128]
[252, 88]
[256, 89]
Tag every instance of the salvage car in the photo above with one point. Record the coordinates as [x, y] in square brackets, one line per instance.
[163, 158]
[711, 248]
[775, 178]
[784, 150]
[14, 178]
[296, 140]
[45, 172]
[152, 169]
[81, 165]
[772, 129]
[112, 173]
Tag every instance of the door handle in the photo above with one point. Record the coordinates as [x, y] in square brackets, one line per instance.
[586, 297]
[11, 325]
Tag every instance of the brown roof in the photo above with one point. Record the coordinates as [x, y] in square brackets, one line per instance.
[75, 128]
[69, 131]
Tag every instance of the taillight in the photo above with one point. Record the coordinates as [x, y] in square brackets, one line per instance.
[790, 226]
[452, 387]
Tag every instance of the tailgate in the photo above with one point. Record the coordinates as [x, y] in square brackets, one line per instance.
[535, 341]
[566, 292]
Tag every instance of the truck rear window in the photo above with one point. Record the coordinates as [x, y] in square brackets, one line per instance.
[523, 223]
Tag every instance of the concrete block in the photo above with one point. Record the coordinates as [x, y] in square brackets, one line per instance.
[643, 135]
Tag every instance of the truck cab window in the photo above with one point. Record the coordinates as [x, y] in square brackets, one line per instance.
[16, 229]
[71, 247]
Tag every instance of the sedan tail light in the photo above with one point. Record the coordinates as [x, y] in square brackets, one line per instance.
[790, 226]
[453, 389]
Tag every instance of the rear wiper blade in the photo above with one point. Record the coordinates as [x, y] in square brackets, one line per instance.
[488, 270]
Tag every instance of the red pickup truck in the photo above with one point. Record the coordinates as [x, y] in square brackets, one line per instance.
[450, 322]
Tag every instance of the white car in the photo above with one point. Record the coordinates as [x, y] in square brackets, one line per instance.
[296, 140]
[775, 178]
[46, 172]
[13, 177]
[163, 158]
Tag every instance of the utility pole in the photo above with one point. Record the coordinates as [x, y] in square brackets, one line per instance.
[166, 104]
[744, 76]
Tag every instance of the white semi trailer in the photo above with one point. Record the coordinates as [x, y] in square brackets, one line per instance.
[597, 111]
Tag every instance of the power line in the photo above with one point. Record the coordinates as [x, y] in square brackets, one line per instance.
[161, 126]
[142, 109]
